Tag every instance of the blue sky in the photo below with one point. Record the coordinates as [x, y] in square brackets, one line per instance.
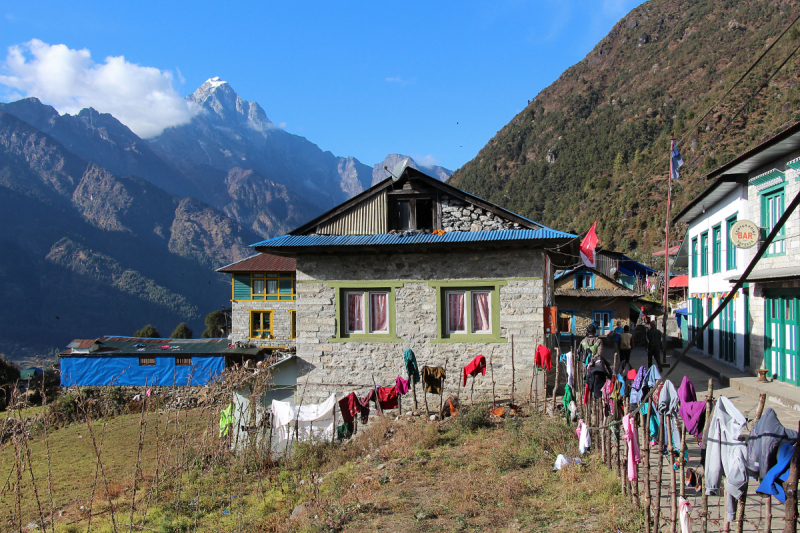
[432, 80]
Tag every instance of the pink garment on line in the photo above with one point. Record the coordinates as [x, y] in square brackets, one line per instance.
[634, 456]
[402, 385]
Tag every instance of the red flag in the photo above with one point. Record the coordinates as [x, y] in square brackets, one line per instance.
[588, 247]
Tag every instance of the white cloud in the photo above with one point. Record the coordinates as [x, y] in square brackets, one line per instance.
[401, 81]
[426, 160]
[142, 98]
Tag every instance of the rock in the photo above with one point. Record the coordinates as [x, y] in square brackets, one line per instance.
[643, 40]
[299, 510]
[434, 417]
[33, 525]
[381, 466]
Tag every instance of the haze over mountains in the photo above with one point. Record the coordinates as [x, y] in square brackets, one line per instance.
[109, 231]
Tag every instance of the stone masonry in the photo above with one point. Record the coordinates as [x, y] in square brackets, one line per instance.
[461, 216]
[281, 327]
[343, 367]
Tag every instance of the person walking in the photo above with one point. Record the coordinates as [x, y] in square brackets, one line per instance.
[617, 333]
[625, 345]
[591, 344]
[654, 344]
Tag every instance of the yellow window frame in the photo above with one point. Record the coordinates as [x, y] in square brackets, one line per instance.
[260, 332]
[292, 324]
[278, 277]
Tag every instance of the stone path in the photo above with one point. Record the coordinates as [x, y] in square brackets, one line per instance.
[747, 404]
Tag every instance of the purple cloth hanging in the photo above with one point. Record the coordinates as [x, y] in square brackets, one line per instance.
[402, 385]
[692, 412]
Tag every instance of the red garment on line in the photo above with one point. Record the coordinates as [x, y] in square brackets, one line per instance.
[477, 365]
[387, 397]
[586, 394]
[543, 357]
[349, 406]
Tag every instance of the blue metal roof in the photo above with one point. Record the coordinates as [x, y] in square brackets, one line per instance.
[385, 239]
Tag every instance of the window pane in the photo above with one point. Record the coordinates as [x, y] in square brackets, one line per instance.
[286, 286]
[456, 318]
[402, 215]
[379, 312]
[481, 312]
[355, 312]
[258, 286]
[272, 287]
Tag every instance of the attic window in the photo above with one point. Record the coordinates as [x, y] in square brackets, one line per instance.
[412, 214]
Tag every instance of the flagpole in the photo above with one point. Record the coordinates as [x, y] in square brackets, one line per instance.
[666, 252]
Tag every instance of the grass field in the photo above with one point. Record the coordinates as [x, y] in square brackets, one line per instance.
[464, 474]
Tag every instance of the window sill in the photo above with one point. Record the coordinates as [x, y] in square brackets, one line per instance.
[366, 337]
[470, 338]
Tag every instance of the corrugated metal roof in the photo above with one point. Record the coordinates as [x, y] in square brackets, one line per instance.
[597, 293]
[679, 282]
[307, 241]
[262, 263]
[130, 346]
[82, 344]
[773, 148]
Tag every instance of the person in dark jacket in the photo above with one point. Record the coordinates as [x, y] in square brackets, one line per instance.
[654, 344]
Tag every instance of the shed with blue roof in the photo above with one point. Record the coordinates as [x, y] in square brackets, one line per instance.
[413, 262]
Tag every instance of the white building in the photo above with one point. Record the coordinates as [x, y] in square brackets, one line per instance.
[760, 328]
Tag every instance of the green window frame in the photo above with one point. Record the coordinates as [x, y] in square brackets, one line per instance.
[772, 208]
[730, 255]
[469, 288]
[260, 324]
[716, 243]
[694, 257]
[704, 253]
[366, 288]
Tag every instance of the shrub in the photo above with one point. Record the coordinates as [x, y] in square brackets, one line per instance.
[474, 417]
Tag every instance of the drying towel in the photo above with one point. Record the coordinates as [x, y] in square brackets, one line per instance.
[476, 365]
[692, 412]
[568, 361]
[402, 385]
[410, 361]
[387, 397]
[543, 358]
[686, 514]
[568, 398]
[226, 420]
[432, 377]
[349, 406]
[584, 439]
[634, 456]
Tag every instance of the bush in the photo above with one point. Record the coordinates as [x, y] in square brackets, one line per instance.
[474, 417]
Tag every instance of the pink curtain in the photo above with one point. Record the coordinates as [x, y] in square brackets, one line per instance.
[355, 312]
[455, 306]
[379, 318]
[480, 306]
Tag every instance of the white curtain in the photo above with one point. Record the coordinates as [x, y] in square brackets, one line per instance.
[455, 306]
[355, 311]
[480, 306]
[379, 318]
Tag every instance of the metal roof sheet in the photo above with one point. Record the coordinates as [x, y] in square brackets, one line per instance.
[307, 241]
[766, 274]
[713, 194]
[129, 346]
[597, 293]
[262, 263]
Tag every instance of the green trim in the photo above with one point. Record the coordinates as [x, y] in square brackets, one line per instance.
[716, 249]
[773, 189]
[795, 164]
[777, 192]
[341, 335]
[467, 285]
[704, 253]
[768, 176]
[730, 252]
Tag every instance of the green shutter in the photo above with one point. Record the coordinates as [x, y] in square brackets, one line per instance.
[241, 286]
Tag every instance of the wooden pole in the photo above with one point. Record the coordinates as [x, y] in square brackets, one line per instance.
[377, 401]
[673, 496]
[709, 401]
[491, 368]
[635, 483]
[684, 448]
[666, 254]
[790, 520]
[558, 377]
[441, 396]
[660, 477]
[533, 378]
[425, 397]
[471, 389]
[513, 376]
[742, 503]
[544, 391]
[646, 444]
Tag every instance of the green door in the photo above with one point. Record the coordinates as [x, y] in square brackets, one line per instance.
[709, 312]
[781, 352]
[727, 348]
[697, 320]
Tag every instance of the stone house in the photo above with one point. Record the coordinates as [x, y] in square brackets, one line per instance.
[601, 296]
[263, 301]
[415, 263]
[761, 328]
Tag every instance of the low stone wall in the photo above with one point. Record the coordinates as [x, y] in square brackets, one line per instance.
[460, 216]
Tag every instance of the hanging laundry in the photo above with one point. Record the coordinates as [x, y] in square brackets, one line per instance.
[349, 406]
[584, 439]
[226, 420]
[634, 455]
[387, 397]
[725, 454]
[636, 387]
[568, 399]
[586, 394]
[410, 361]
[432, 377]
[562, 461]
[668, 406]
[305, 421]
[692, 412]
[345, 431]
[363, 405]
[780, 472]
[763, 443]
[402, 385]
[473, 368]
[685, 509]
[543, 358]
[566, 358]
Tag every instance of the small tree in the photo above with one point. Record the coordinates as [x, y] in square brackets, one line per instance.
[216, 324]
[181, 332]
[148, 332]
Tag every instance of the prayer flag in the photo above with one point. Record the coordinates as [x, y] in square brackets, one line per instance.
[588, 247]
[677, 161]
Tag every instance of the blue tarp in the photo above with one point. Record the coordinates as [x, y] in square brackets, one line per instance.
[104, 370]
[679, 314]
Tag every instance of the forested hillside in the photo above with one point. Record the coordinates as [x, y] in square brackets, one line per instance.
[594, 144]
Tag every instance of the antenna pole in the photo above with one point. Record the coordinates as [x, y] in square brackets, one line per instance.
[666, 253]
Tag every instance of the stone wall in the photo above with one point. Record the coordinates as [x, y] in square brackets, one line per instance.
[583, 308]
[461, 216]
[281, 327]
[343, 367]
